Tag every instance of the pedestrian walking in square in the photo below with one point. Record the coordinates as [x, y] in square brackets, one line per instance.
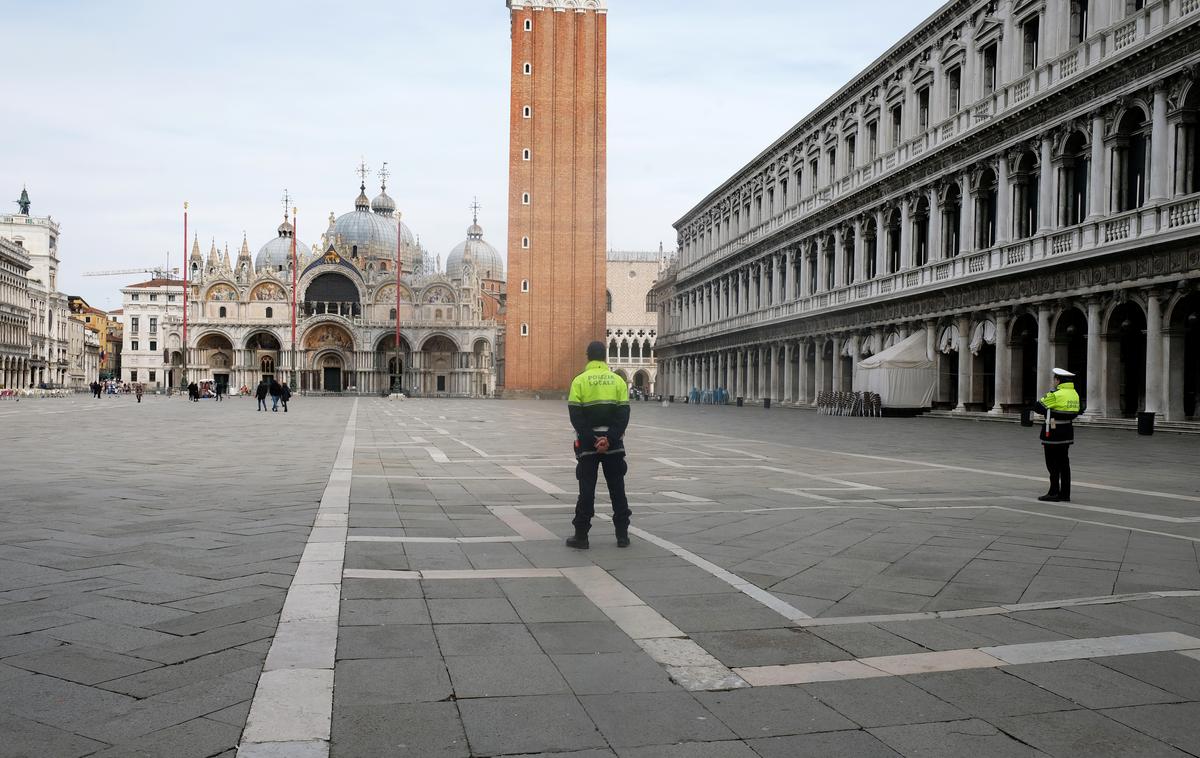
[599, 409]
[276, 390]
[260, 392]
[285, 395]
[1060, 406]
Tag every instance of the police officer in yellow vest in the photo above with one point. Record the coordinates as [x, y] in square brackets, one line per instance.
[599, 409]
[1060, 406]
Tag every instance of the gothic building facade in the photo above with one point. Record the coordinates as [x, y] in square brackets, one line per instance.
[348, 296]
[1017, 179]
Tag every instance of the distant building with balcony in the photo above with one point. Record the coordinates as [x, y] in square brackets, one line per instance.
[632, 320]
[146, 347]
[1016, 180]
[367, 272]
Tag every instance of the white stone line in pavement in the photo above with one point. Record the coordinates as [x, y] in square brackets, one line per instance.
[684, 497]
[1010, 475]
[536, 481]
[1098, 523]
[970, 658]
[745, 587]
[435, 540]
[292, 709]
[452, 478]
[436, 454]
[995, 610]
[521, 524]
[471, 447]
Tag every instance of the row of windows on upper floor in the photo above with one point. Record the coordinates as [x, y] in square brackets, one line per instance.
[944, 224]
[824, 168]
[135, 297]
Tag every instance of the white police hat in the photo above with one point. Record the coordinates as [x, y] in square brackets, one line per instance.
[1063, 373]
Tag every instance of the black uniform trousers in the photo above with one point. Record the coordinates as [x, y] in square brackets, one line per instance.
[587, 470]
[1058, 463]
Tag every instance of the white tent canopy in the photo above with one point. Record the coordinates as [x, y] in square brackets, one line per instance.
[902, 375]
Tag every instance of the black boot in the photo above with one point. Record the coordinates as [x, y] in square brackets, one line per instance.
[1049, 497]
[579, 541]
[622, 538]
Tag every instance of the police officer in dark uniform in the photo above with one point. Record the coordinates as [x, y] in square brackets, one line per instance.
[599, 409]
[1060, 406]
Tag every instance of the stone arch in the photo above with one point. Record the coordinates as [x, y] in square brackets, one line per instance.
[1182, 321]
[1125, 358]
[269, 291]
[221, 291]
[328, 334]
[262, 339]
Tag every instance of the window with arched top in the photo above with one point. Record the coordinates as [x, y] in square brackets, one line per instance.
[527, 112]
[392, 314]
[528, 25]
[608, 300]
[524, 330]
[221, 313]
[525, 154]
[525, 243]
[528, 69]
[524, 285]
[270, 312]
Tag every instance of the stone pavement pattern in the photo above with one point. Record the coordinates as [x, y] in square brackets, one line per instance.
[799, 585]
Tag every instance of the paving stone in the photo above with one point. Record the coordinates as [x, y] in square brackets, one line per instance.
[773, 712]
[500, 726]
[989, 692]
[883, 702]
[768, 647]
[472, 611]
[215, 619]
[953, 739]
[24, 738]
[372, 612]
[721, 612]
[380, 681]
[380, 589]
[658, 718]
[601, 673]
[186, 648]
[1172, 672]
[849, 743]
[428, 730]
[485, 639]
[582, 637]
[504, 675]
[389, 641]
[198, 738]
[1173, 723]
[1090, 684]
[117, 638]
[78, 663]
[1083, 734]
[865, 640]
[723, 749]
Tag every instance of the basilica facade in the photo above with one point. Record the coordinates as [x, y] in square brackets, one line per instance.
[367, 271]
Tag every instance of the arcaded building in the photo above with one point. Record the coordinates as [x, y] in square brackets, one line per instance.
[557, 191]
[1016, 180]
[632, 316]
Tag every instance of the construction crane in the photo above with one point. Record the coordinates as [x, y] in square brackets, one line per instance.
[159, 273]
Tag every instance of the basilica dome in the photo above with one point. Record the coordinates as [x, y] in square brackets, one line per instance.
[276, 254]
[488, 263]
[371, 234]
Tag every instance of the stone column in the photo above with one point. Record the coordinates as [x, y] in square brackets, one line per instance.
[1003, 202]
[1045, 210]
[964, 363]
[933, 250]
[966, 216]
[818, 369]
[1154, 354]
[762, 372]
[860, 267]
[839, 253]
[1003, 379]
[1159, 171]
[1096, 174]
[789, 356]
[1095, 396]
[906, 235]
[837, 364]
[855, 353]
[802, 375]
[1044, 348]
[790, 275]
[880, 244]
[822, 267]
[776, 281]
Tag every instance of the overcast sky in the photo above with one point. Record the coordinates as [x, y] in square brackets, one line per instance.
[116, 112]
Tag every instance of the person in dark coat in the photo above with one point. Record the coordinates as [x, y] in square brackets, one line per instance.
[276, 389]
[285, 395]
[218, 390]
[194, 392]
[260, 392]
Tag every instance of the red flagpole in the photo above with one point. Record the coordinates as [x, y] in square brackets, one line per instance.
[295, 265]
[398, 267]
[185, 293]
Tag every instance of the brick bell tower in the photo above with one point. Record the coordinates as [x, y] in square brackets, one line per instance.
[557, 192]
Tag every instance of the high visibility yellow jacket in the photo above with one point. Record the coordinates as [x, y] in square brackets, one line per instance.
[1060, 406]
[599, 407]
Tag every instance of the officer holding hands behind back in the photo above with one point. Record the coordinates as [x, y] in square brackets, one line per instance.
[1060, 406]
[599, 408]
